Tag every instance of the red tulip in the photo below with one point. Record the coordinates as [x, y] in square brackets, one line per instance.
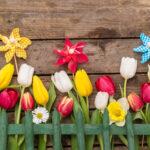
[8, 98]
[145, 92]
[27, 102]
[135, 101]
[105, 84]
[65, 106]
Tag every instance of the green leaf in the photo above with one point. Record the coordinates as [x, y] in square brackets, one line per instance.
[85, 110]
[52, 96]
[12, 143]
[90, 139]
[137, 115]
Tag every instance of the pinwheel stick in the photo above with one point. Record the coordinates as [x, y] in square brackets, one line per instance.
[16, 64]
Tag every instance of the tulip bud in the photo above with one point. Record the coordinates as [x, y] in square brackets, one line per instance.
[135, 101]
[6, 74]
[83, 83]
[27, 102]
[25, 75]
[105, 84]
[145, 92]
[128, 67]
[40, 93]
[62, 81]
[8, 98]
[101, 100]
[65, 106]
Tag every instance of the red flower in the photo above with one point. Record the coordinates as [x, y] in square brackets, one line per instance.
[135, 102]
[105, 84]
[27, 102]
[71, 55]
[65, 106]
[8, 98]
[145, 92]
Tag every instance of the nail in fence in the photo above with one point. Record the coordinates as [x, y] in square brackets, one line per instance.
[79, 128]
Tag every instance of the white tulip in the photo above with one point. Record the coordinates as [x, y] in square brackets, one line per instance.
[148, 73]
[101, 101]
[62, 81]
[25, 75]
[124, 103]
[128, 67]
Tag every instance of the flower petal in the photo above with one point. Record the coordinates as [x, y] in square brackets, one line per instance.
[4, 39]
[9, 55]
[24, 42]
[82, 58]
[72, 66]
[21, 53]
[15, 33]
[61, 61]
[121, 123]
[68, 43]
[80, 45]
[4, 48]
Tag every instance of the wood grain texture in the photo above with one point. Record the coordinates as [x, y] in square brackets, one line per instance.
[55, 19]
[104, 55]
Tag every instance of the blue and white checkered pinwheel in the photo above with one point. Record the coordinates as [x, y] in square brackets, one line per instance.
[144, 49]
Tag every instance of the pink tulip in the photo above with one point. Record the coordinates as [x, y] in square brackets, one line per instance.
[135, 101]
[65, 106]
[145, 92]
[27, 102]
[105, 84]
[8, 98]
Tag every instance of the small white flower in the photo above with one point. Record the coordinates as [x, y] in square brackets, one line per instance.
[40, 114]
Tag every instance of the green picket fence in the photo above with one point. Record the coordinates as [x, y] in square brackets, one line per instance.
[79, 128]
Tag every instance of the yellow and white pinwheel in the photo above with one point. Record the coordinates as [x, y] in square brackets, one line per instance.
[14, 45]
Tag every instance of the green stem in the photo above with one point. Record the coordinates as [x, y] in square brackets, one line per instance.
[19, 107]
[42, 142]
[125, 88]
[143, 116]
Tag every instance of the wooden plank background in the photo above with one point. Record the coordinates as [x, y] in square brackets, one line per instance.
[110, 27]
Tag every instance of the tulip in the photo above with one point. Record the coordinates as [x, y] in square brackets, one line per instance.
[65, 106]
[145, 92]
[40, 93]
[128, 67]
[6, 74]
[101, 100]
[8, 98]
[105, 84]
[135, 102]
[83, 83]
[27, 102]
[62, 81]
[25, 75]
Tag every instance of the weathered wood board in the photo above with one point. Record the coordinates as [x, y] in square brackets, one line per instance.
[110, 27]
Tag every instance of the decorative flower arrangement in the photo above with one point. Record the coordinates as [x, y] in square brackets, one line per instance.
[30, 93]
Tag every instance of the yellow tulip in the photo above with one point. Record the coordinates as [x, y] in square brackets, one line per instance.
[6, 74]
[40, 93]
[83, 83]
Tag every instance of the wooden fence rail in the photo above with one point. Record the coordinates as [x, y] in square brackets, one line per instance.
[56, 129]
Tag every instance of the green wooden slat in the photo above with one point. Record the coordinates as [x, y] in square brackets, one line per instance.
[28, 128]
[130, 132]
[3, 130]
[57, 130]
[106, 131]
[80, 130]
